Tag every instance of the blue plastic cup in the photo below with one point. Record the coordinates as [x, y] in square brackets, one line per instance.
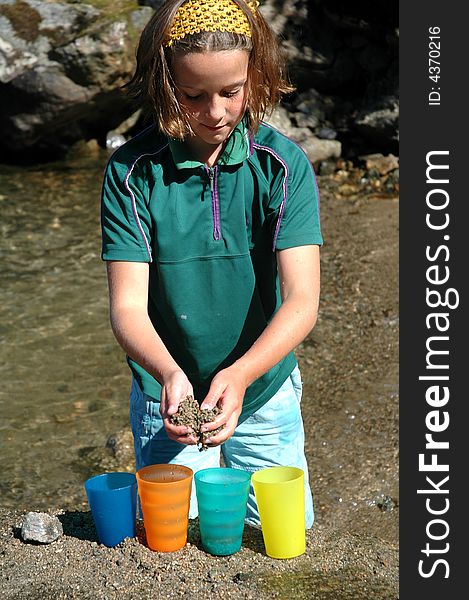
[113, 502]
[222, 495]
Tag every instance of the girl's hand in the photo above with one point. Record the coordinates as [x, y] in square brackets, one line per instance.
[176, 387]
[227, 391]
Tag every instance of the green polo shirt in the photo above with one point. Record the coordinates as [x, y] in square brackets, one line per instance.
[210, 237]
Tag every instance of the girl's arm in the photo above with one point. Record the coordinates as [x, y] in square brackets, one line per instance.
[128, 296]
[299, 273]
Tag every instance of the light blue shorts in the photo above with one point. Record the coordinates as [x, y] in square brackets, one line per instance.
[272, 435]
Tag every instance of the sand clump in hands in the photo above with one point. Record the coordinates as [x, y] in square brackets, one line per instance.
[190, 414]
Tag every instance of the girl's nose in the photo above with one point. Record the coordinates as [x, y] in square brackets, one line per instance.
[216, 109]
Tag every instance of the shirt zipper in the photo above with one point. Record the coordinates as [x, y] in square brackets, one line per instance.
[212, 173]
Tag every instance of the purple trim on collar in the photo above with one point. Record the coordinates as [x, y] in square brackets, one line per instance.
[304, 152]
[285, 189]
[217, 233]
[212, 174]
[133, 200]
[251, 142]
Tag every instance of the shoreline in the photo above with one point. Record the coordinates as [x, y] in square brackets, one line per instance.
[335, 565]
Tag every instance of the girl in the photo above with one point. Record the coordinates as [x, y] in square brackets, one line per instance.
[211, 235]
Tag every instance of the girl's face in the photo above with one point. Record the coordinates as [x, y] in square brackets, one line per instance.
[211, 88]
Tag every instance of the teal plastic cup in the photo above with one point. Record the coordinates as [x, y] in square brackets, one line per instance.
[222, 496]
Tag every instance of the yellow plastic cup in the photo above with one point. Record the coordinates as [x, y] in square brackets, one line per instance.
[280, 496]
[165, 492]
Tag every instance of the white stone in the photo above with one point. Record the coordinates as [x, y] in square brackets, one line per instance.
[41, 527]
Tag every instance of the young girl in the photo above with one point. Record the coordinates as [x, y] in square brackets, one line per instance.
[211, 234]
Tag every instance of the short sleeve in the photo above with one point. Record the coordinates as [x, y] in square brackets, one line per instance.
[298, 219]
[125, 217]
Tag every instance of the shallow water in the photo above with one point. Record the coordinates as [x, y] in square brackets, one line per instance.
[343, 585]
[64, 381]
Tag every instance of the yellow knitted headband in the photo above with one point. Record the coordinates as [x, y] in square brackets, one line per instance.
[195, 16]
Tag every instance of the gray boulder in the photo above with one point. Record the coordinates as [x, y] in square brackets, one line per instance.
[317, 150]
[61, 68]
[41, 527]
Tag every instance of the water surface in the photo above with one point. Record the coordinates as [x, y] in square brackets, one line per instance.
[64, 380]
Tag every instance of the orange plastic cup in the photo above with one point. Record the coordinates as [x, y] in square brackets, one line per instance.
[165, 492]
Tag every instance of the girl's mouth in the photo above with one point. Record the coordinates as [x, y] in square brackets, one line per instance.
[214, 128]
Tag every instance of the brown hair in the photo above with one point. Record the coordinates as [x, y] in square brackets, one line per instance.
[152, 84]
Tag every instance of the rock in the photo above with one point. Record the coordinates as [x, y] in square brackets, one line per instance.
[61, 69]
[317, 149]
[240, 577]
[311, 102]
[382, 164]
[121, 445]
[321, 150]
[114, 140]
[377, 119]
[41, 527]
[303, 120]
[118, 136]
[327, 167]
[386, 503]
[29, 29]
[380, 125]
[326, 133]
[280, 119]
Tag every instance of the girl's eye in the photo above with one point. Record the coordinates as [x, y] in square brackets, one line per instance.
[196, 97]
